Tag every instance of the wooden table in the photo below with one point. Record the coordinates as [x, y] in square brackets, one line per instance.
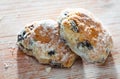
[14, 14]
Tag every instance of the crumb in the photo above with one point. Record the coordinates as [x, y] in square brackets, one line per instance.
[48, 69]
[12, 49]
[6, 65]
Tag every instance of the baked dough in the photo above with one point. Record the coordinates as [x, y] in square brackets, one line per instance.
[85, 35]
[41, 39]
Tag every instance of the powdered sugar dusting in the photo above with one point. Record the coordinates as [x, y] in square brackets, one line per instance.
[46, 24]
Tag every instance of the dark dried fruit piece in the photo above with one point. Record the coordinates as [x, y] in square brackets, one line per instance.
[51, 52]
[85, 43]
[88, 45]
[20, 37]
[24, 32]
[31, 27]
[66, 13]
[74, 27]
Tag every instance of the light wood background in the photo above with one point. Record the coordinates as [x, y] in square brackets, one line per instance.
[14, 14]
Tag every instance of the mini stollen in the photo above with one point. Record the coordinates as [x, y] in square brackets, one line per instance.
[41, 39]
[85, 35]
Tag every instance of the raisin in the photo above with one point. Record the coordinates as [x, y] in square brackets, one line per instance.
[20, 37]
[85, 43]
[26, 35]
[52, 52]
[88, 45]
[66, 13]
[74, 27]
[24, 32]
[31, 27]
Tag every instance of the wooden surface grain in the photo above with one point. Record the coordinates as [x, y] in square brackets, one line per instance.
[14, 14]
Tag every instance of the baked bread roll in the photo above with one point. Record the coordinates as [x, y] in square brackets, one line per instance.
[85, 35]
[41, 39]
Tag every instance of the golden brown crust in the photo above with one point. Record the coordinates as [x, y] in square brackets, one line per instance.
[91, 32]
